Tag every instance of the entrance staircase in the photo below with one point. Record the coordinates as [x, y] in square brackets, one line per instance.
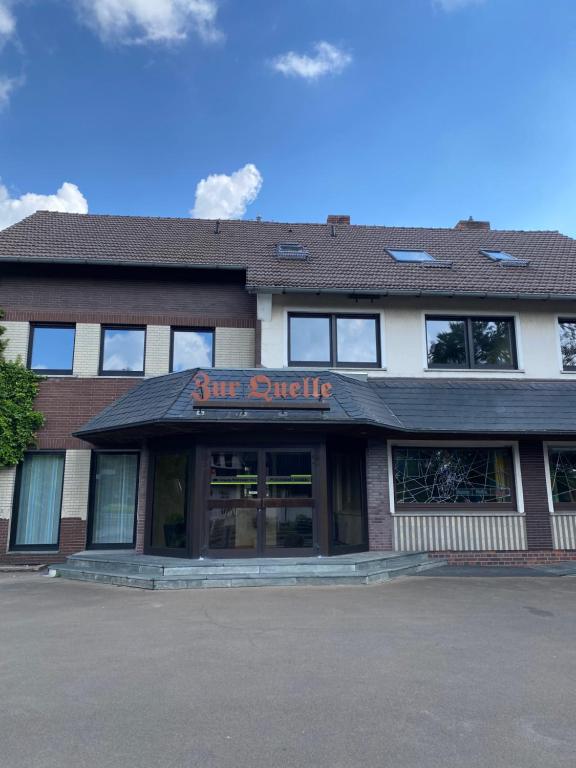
[126, 569]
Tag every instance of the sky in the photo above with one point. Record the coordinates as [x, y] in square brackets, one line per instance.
[396, 112]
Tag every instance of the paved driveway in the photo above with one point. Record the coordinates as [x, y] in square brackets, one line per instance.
[422, 672]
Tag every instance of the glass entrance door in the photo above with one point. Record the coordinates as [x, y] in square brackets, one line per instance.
[260, 502]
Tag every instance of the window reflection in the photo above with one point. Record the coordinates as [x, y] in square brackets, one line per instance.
[192, 349]
[52, 348]
[233, 475]
[288, 475]
[123, 350]
[310, 339]
[169, 504]
[356, 340]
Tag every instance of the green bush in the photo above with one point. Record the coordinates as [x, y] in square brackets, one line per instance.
[19, 421]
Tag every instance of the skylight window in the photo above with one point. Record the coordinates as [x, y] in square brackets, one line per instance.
[291, 251]
[505, 259]
[499, 255]
[399, 254]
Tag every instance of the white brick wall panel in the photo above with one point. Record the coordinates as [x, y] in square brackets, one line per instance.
[17, 337]
[7, 483]
[157, 350]
[76, 484]
[87, 349]
[235, 348]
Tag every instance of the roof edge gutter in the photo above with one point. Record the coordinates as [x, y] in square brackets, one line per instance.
[120, 263]
[412, 293]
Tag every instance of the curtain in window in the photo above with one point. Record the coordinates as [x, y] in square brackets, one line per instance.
[40, 497]
[114, 498]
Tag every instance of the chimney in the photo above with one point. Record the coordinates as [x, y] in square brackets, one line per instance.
[470, 223]
[338, 220]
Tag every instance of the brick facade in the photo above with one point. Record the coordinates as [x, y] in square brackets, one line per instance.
[538, 523]
[378, 503]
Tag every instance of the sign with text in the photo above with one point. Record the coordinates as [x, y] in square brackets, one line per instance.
[260, 388]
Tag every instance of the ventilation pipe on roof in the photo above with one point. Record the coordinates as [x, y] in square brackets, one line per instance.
[471, 223]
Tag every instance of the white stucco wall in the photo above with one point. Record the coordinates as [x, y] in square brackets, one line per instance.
[404, 335]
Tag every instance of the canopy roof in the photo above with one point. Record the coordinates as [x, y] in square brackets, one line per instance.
[397, 405]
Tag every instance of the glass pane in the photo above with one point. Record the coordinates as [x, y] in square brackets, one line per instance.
[192, 349]
[356, 340]
[289, 527]
[446, 342]
[234, 475]
[52, 349]
[169, 504]
[289, 475]
[493, 342]
[568, 342]
[563, 475]
[232, 528]
[123, 350]
[346, 469]
[39, 500]
[453, 475]
[410, 255]
[114, 503]
[310, 339]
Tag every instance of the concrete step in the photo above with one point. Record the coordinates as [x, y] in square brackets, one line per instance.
[383, 569]
[149, 566]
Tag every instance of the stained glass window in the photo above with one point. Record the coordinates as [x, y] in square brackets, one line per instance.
[452, 476]
[563, 475]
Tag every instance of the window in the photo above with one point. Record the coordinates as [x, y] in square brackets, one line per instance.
[562, 462]
[52, 348]
[291, 251]
[349, 341]
[453, 477]
[37, 502]
[505, 259]
[113, 499]
[192, 348]
[568, 344]
[122, 351]
[399, 254]
[471, 342]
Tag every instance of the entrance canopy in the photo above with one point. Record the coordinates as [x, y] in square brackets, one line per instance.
[188, 400]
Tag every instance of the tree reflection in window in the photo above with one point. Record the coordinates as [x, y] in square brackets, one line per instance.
[568, 344]
[465, 342]
[563, 475]
[447, 475]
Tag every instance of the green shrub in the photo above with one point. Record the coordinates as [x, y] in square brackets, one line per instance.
[19, 422]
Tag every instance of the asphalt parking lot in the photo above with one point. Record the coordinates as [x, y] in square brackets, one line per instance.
[418, 673]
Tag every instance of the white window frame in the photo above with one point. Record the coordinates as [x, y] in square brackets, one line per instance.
[555, 444]
[447, 510]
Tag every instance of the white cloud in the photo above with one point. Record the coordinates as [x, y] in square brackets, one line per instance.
[327, 60]
[227, 197]
[7, 86]
[161, 21]
[455, 5]
[68, 199]
[7, 22]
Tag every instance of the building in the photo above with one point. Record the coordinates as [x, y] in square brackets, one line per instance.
[244, 388]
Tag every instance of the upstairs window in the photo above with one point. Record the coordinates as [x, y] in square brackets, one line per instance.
[52, 348]
[471, 342]
[330, 340]
[400, 254]
[192, 348]
[122, 351]
[568, 343]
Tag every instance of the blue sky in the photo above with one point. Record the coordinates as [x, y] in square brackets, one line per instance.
[406, 112]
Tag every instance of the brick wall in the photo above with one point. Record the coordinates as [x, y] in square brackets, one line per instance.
[519, 558]
[538, 524]
[379, 517]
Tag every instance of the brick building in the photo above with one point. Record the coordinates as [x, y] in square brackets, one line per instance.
[246, 388]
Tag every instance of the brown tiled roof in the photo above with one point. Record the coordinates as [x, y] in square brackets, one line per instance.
[354, 260]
